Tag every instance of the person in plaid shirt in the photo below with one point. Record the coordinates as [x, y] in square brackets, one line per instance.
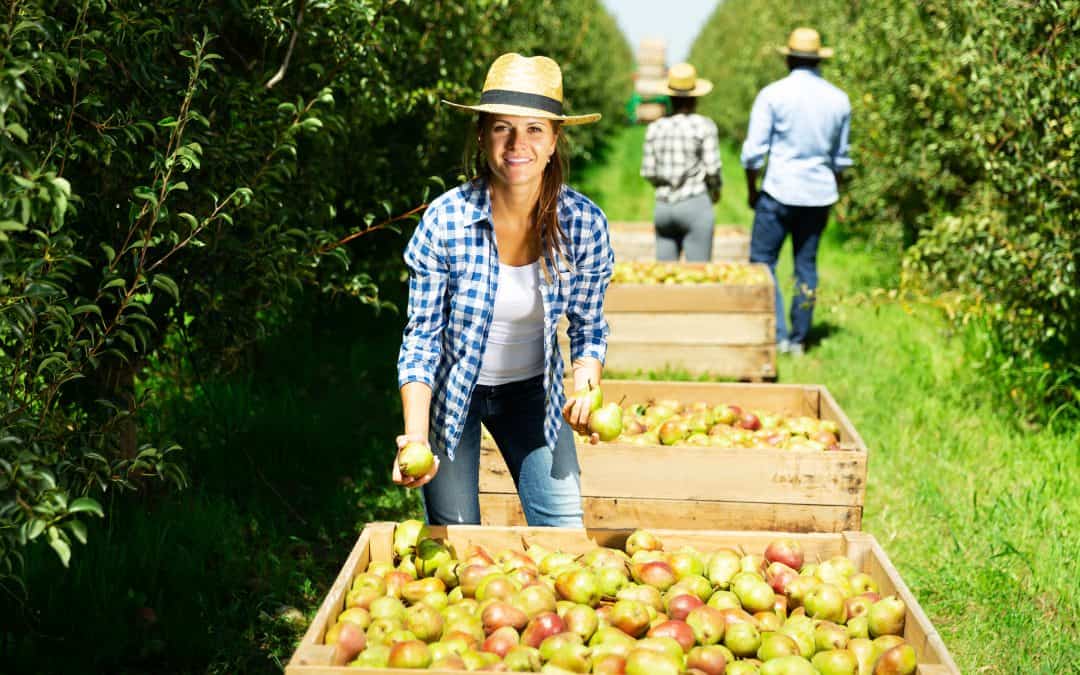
[681, 158]
[493, 267]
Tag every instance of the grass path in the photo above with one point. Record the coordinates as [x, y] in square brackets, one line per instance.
[980, 515]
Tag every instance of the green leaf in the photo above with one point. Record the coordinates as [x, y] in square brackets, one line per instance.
[110, 252]
[63, 549]
[34, 530]
[118, 282]
[87, 505]
[51, 361]
[11, 226]
[86, 309]
[166, 284]
[77, 529]
[17, 131]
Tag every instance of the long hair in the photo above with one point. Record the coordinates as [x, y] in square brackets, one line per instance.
[545, 216]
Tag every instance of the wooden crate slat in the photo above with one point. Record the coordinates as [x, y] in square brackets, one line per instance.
[708, 474]
[934, 658]
[620, 512]
[699, 298]
[712, 329]
[720, 360]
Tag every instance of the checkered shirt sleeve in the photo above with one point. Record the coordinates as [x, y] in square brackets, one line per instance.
[593, 262]
[681, 157]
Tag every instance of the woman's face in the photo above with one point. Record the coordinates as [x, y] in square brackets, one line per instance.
[518, 148]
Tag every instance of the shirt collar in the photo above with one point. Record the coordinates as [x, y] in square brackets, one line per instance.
[477, 197]
[806, 70]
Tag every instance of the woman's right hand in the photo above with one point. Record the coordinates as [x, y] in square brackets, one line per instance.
[407, 481]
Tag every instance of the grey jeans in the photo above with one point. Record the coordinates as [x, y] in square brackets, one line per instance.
[684, 227]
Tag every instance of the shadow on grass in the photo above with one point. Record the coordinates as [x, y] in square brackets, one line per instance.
[286, 464]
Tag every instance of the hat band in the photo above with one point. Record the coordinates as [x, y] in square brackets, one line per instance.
[523, 99]
[681, 90]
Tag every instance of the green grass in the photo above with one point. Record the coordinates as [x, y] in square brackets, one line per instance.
[979, 513]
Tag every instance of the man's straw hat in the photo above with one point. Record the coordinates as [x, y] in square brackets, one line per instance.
[682, 80]
[805, 43]
[526, 86]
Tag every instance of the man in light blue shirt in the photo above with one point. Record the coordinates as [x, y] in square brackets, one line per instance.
[801, 125]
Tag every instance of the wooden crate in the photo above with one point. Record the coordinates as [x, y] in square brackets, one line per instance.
[724, 330]
[375, 543]
[707, 487]
[637, 241]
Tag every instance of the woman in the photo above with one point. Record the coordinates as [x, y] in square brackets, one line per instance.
[681, 158]
[494, 265]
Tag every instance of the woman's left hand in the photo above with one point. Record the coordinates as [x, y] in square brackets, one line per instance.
[576, 413]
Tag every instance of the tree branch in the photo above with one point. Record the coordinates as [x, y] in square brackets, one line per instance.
[280, 74]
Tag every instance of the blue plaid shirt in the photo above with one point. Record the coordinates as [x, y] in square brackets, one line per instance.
[453, 274]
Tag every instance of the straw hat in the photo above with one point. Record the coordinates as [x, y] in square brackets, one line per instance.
[682, 80]
[805, 43]
[526, 86]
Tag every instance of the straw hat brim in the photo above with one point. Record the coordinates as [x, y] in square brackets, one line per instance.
[823, 53]
[701, 87]
[523, 111]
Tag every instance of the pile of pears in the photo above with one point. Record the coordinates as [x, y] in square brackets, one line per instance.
[671, 422]
[639, 610]
[732, 273]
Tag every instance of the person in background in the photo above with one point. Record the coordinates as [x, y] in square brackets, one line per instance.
[681, 158]
[800, 124]
[494, 264]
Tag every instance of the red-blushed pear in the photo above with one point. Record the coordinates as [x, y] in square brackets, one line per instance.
[858, 627]
[650, 662]
[646, 595]
[768, 621]
[351, 640]
[479, 660]
[859, 605]
[673, 430]
[607, 422]
[886, 616]
[826, 438]
[414, 590]
[361, 617]
[601, 557]
[524, 576]
[742, 638]
[865, 653]
[707, 624]
[757, 596]
[603, 615]
[679, 606]
[509, 559]
[836, 662]
[643, 540]
[368, 579]
[631, 617]
[899, 660]
[709, 659]
[579, 586]
[753, 563]
[734, 615]
[655, 573]
[581, 619]
[609, 664]
[657, 618]
[780, 606]
[501, 641]
[496, 586]
[749, 421]
[788, 665]
[610, 635]
[883, 643]
[677, 630]
[501, 613]
[541, 627]
[775, 645]
[779, 575]
[786, 551]
[412, 654]
[695, 584]
[395, 582]
[828, 635]
[724, 600]
[825, 602]
[461, 640]
[686, 562]
[373, 656]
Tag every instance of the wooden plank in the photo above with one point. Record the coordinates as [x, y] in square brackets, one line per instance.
[707, 474]
[711, 329]
[737, 361]
[699, 298]
[624, 512]
[830, 410]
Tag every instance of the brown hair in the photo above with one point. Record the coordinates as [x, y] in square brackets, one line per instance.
[545, 215]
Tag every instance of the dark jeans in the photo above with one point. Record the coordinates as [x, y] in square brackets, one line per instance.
[548, 480]
[773, 221]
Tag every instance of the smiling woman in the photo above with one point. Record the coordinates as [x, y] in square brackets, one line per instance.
[493, 267]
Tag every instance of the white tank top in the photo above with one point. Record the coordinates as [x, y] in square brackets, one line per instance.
[515, 344]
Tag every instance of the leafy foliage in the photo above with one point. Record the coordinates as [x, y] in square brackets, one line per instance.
[175, 172]
[964, 137]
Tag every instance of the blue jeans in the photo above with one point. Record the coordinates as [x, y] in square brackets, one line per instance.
[548, 480]
[773, 221]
